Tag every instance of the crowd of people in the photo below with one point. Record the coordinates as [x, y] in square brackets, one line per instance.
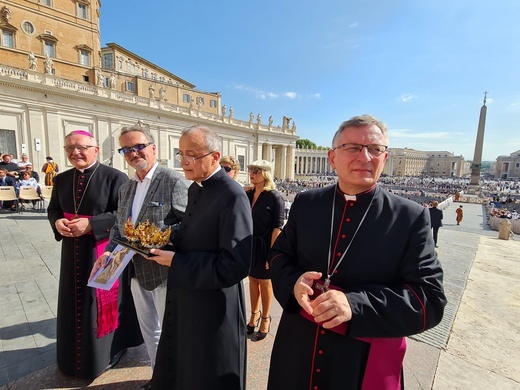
[16, 174]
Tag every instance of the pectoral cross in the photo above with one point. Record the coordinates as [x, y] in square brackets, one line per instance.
[323, 287]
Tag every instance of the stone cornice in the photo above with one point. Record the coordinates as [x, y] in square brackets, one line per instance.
[49, 85]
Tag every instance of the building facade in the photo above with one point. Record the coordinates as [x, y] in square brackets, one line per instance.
[55, 77]
[508, 167]
[410, 162]
[444, 164]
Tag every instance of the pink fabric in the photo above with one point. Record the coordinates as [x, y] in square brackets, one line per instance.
[385, 358]
[385, 363]
[107, 310]
[81, 132]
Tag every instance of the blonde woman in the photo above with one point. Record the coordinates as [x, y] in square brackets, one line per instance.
[231, 165]
[267, 208]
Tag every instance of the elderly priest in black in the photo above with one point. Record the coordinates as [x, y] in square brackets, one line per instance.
[355, 271]
[203, 340]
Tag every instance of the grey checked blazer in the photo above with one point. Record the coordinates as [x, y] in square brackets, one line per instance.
[163, 205]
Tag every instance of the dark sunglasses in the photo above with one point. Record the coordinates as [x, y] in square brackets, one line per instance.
[135, 148]
[227, 169]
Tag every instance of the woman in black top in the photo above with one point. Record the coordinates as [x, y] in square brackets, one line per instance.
[267, 208]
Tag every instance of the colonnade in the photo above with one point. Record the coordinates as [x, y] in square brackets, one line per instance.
[308, 162]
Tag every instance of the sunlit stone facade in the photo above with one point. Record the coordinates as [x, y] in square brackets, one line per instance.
[55, 77]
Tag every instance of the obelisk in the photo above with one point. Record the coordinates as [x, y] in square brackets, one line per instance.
[477, 156]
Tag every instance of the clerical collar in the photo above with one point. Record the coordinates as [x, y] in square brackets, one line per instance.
[330, 264]
[215, 171]
[357, 196]
[87, 168]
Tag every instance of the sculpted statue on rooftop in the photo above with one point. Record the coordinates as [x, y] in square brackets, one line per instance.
[113, 82]
[47, 64]
[162, 92]
[100, 79]
[33, 61]
[286, 121]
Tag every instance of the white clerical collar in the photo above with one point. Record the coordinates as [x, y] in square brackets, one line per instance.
[84, 169]
[215, 171]
[355, 197]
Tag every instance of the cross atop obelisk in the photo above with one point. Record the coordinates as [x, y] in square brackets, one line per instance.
[477, 156]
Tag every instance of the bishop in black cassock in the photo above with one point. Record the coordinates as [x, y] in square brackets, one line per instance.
[90, 192]
[376, 251]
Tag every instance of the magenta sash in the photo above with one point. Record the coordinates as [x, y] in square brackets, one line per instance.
[385, 358]
[107, 308]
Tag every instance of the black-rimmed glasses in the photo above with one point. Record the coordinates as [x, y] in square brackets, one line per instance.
[373, 149]
[79, 148]
[135, 148]
[227, 169]
[187, 159]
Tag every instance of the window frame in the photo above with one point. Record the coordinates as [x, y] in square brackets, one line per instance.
[110, 64]
[82, 10]
[130, 86]
[28, 23]
[81, 54]
[242, 161]
[11, 34]
[49, 44]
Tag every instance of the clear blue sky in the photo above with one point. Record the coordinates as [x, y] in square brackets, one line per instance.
[421, 66]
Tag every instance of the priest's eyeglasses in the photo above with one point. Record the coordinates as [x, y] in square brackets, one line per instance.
[374, 150]
[79, 148]
[188, 159]
[135, 148]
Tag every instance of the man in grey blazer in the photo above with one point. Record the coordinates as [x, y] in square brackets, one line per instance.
[156, 194]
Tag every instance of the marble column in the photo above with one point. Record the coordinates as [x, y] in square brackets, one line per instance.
[289, 170]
